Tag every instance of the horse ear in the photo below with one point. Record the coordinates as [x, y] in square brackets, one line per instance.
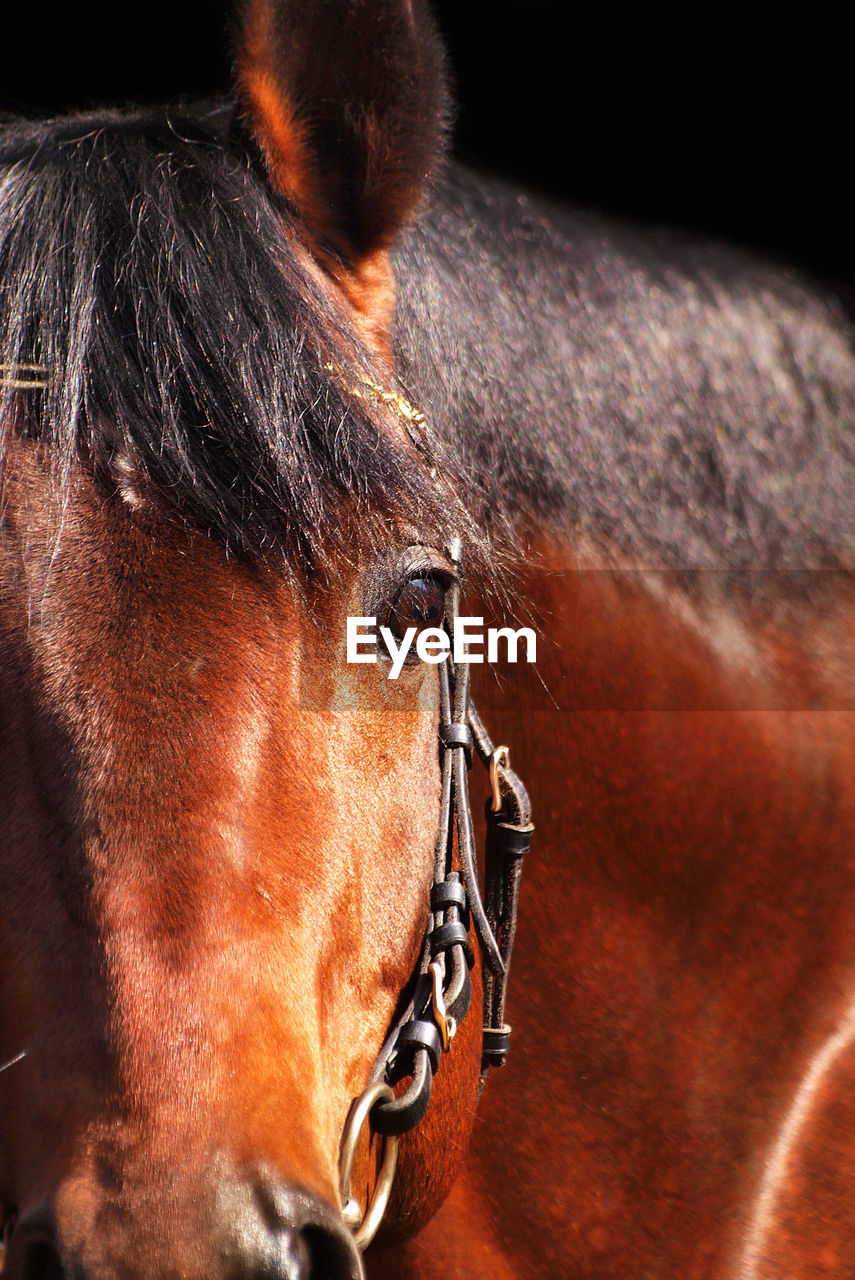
[347, 100]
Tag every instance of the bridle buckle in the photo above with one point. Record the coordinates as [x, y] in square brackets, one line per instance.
[499, 758]
[446, 1023]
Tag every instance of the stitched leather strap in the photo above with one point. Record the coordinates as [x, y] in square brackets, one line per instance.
[414, 1049]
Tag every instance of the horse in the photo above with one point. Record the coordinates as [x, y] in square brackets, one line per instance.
[273, 364]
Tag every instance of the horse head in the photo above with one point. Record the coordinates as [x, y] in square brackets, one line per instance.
[218, 837]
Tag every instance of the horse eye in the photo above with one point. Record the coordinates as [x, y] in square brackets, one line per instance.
[420, 603]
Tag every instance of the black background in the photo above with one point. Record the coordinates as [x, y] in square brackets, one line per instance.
[732, 120]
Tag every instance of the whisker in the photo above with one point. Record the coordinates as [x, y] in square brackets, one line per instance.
[18, 1056]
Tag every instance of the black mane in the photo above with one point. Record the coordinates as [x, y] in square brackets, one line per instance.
[681, 404]
[145, 263]
[676, 403]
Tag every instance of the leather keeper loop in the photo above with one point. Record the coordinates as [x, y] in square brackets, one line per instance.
[457, 735]
[512, 841]
[405, 1112]
[497, 1042]
[450, 893]
[451, 934]
[422, 1035]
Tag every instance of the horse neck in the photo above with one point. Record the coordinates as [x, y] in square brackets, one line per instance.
[685, 929]
[604, 379]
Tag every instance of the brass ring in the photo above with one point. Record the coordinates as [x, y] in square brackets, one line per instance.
[501, 756]
[364, 1226]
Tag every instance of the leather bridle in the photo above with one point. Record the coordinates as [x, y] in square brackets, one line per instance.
[442, 991]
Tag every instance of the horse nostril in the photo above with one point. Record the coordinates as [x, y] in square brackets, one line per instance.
[32, 1252]
[331, 1255]
[40, 1261]
[284, 1256]
[281, 1232]
[309, 1254]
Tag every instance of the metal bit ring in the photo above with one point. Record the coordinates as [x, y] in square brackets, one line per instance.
[364, 1225]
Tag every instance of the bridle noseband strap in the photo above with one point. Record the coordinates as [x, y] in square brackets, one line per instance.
[442, 992]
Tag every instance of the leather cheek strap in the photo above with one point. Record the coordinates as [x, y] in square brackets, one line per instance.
[415, 1047]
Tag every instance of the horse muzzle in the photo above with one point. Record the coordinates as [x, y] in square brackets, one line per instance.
[260, 1230]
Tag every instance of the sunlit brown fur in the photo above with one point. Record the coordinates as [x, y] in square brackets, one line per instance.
[678, 1100]
[224, 832]
[224, 865]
